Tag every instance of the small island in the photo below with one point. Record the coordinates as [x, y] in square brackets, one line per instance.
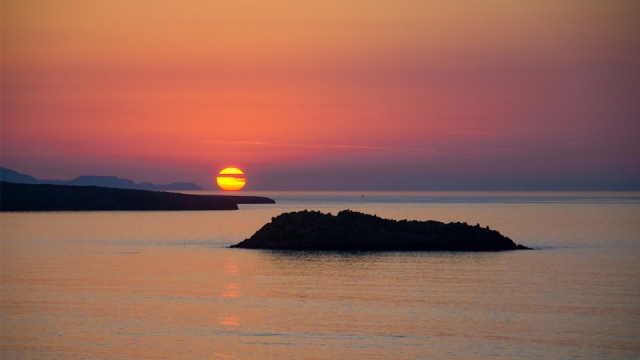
[44, 197]
[354, 231]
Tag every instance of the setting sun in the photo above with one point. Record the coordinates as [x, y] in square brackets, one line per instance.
[229, 180]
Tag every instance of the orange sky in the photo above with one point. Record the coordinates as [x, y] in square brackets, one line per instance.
[325, 94]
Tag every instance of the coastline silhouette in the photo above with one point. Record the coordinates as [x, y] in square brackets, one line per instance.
[45, 197]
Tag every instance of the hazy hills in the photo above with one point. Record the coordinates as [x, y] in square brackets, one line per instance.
[103, 181]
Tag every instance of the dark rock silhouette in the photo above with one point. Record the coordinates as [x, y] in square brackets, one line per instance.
[45, 197]
[86, 180]
[354, 231]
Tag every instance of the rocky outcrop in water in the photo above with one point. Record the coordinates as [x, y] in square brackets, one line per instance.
[354, 231]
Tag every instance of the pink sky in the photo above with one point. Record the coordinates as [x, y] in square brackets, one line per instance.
[320, 95]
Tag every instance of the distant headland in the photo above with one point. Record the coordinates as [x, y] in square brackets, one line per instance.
[85, 180]
[354, 231]
[46, 197]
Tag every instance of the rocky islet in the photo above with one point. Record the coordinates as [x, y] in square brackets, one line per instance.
[355, 231]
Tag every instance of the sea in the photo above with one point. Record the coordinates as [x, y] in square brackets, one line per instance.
[166, 285]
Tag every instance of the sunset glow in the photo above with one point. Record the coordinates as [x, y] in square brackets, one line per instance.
[231, 171]
[325, 94]
[228, 181]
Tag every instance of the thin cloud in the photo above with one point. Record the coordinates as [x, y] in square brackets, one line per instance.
[477, 133]
[497, 150]
[339, 146]
[412, 152]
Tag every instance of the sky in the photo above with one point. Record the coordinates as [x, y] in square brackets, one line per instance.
[325, 95]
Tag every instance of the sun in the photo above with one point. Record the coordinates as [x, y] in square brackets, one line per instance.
[229, 180]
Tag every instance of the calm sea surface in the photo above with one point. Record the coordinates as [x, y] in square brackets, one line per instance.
[165, 285]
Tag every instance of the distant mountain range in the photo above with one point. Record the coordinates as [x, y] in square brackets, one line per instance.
[104, 181]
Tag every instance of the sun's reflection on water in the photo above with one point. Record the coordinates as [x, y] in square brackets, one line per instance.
[230, 320]
[231, 290]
